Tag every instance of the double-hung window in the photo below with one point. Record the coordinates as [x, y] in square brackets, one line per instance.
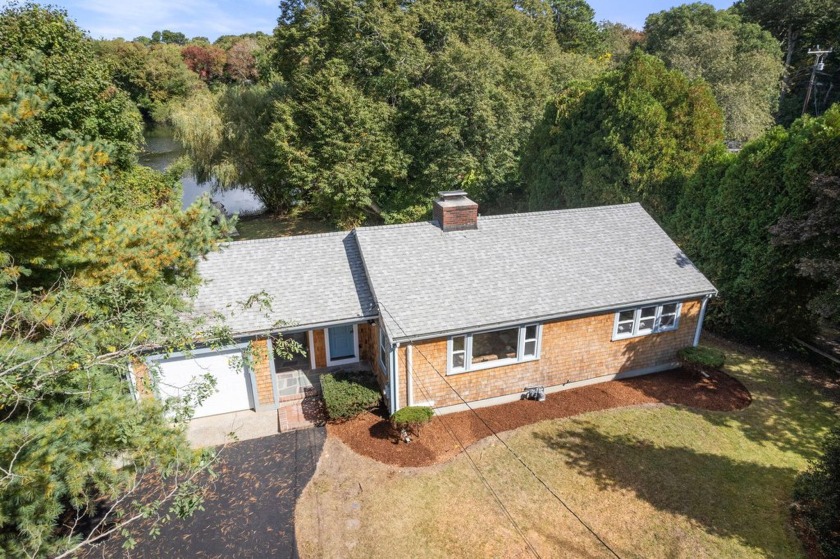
[493, 348]
[646, 320]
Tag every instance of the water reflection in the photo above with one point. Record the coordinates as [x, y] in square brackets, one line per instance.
[162, 149]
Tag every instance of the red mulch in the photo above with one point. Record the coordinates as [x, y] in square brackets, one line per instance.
[370, 434]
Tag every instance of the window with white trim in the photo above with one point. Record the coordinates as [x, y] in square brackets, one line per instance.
[493, 348]
[646, 320]
[384, 351]
[458, 354]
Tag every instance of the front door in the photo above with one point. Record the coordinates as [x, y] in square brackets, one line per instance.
[342, 344]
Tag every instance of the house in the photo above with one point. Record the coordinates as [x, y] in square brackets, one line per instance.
[459, 309]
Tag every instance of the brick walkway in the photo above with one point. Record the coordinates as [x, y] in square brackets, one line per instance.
[300, 400]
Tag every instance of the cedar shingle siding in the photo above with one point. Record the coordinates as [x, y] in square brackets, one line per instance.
[262, 371]
[573, 350]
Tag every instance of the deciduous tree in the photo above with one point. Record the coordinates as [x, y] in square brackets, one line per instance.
[384, 103]
[86, 103]
[739, 60]
[206, 61]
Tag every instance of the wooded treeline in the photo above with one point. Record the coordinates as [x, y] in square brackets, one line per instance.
[365, 110]
[359, 112]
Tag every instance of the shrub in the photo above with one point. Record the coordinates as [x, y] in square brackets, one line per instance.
[349, 393]
[701, 357]
[412, 419]
[816, 495]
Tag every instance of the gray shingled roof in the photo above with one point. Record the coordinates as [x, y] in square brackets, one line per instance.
[311, 280]
[522, 267]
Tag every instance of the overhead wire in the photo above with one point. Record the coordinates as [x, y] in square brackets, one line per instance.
[559, 499]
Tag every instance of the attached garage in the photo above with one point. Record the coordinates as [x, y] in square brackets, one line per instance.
[234, 390]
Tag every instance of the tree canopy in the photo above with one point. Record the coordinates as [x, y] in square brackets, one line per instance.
[740, 61]
[633, 134]
[378, 105]
[96, 255]
[153, 75]
[800, 25]
[58, 54]
[574, 25]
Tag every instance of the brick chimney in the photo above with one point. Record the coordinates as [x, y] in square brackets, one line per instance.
[453, 211]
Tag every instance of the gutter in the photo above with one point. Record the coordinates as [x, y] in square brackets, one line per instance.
[292, 328]
[553, 316]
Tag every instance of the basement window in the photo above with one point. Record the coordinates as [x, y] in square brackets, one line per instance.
[641, 321]
[493, 348]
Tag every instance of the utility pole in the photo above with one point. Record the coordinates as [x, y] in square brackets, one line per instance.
[819, 64]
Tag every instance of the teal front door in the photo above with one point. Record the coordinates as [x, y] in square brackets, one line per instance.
[342, 343]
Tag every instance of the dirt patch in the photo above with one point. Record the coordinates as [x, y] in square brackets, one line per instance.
[370, 434]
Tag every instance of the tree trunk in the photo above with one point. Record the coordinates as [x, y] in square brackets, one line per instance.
[791, 40]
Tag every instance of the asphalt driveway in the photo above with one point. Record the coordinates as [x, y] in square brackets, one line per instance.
[248, 512]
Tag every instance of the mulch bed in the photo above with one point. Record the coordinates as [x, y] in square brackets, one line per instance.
[371, 435]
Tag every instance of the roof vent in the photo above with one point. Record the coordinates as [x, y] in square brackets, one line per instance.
[453, 211]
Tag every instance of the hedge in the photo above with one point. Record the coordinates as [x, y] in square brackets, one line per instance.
[348, 393]
[816, 495]
[701, 357]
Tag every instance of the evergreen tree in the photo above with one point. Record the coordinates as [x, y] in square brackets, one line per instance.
[634, 134]
[95, 259]
[760, 225]
[574, 25]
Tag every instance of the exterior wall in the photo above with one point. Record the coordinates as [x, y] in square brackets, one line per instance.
[319, 348]
[261, 366]
[142, 382]
[574, 349]
[368, 340]
[369, 351]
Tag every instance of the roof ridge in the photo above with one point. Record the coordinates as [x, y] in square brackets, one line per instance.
[565, 210]
[505, 216]
[393, 225]
[427, 222]
[268, 240]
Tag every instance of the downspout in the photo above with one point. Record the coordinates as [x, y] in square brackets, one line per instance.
[700, 320]
[409, 384]
[395, 403]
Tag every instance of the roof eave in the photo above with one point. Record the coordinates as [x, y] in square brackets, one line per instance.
[550, 317]
[292, 328]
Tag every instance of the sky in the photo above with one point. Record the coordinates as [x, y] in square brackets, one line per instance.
[211, 18]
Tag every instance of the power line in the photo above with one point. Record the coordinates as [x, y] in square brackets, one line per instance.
[819, 63]
[481, 476]
[495, 434]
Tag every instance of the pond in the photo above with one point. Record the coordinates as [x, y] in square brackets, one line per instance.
[162, 149]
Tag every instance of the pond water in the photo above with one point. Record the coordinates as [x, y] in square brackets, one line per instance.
[162, 149]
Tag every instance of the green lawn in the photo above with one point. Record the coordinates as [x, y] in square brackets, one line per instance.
[265, 226]
[651, 481]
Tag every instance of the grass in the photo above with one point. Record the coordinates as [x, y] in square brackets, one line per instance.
[265, 226]
[656, 481]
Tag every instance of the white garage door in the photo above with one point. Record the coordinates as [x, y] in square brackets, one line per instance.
[232, 385]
